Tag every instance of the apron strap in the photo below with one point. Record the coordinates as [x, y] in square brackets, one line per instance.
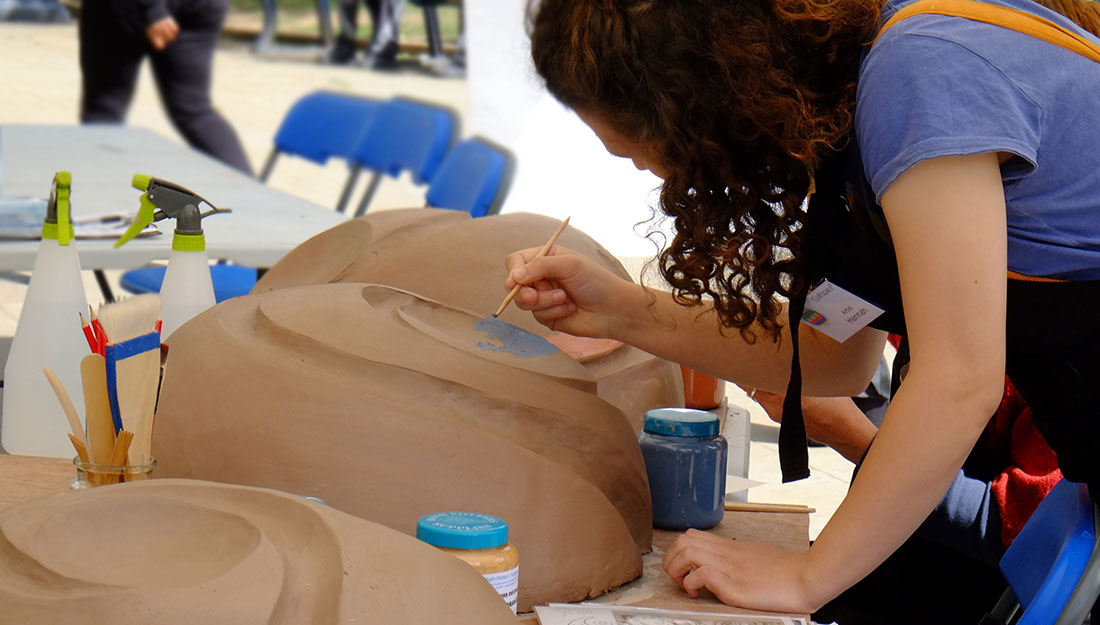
[1013, 19]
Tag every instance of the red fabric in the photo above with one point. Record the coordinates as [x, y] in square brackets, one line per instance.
[1032, 467]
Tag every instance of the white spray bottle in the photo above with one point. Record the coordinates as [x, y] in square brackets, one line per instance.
[49, 334]
[187, 289]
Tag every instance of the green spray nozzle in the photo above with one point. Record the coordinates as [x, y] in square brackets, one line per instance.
[59, 224]
[167, 200]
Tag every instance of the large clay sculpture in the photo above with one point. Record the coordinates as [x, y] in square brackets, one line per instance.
[184, 551]
[449, 257]
[389, 405]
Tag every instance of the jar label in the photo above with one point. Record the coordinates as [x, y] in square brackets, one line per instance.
[507, 584]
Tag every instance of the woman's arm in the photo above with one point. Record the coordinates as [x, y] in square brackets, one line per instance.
[947, 220]
[567, 292]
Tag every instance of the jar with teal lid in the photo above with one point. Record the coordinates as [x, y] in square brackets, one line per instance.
[685, 460]
[480, 540]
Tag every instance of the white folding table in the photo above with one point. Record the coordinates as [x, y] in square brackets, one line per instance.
[265, 223]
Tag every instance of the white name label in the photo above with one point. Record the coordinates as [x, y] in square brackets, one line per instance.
[836, 312]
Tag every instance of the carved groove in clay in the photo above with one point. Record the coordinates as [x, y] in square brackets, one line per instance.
[448, 257]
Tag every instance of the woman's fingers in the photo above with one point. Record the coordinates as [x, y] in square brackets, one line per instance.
[713, 579]
[539, 297]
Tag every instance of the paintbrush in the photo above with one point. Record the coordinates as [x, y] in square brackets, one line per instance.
[545, 248]
[133, 367]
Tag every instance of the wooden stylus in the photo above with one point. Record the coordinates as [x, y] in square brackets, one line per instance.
[545, 248]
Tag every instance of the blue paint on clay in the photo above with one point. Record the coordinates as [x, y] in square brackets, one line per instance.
[505, 337]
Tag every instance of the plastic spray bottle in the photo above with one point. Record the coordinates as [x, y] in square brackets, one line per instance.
[49, 334]
[187, 289]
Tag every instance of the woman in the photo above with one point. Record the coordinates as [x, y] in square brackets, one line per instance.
[958, 145]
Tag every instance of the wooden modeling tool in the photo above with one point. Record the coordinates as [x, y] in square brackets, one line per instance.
[66, 405]
[119, 453]
[81, 450]
[133, 367]
[742, 506]
[97, 411]
[545, 248]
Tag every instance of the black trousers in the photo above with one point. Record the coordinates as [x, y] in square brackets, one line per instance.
[922, 582]
[112, 47]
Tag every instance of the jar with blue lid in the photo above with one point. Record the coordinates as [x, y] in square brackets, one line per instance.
[685, 460]
[480, 540]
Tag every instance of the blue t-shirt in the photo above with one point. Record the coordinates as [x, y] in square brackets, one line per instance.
[936, 85]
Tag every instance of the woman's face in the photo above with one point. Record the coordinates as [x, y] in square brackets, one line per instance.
[644, 155]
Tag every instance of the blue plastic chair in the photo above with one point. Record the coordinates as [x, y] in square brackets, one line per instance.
[1052, 568]
[229, 280]
[324, 125]
[474, 177]
[319, 126]
[405, 135]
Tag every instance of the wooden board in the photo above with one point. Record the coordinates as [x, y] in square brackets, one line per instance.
[23, 478]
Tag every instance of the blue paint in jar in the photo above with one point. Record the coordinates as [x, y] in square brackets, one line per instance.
[685, 460]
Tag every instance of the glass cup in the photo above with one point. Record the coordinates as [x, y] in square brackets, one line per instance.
[89, 474]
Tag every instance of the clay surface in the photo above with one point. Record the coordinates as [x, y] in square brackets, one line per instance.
[183, 551]
[449, 257]
[389, 405]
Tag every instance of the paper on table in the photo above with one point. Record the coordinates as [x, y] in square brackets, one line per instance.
[597, 614]
[21, 218]
[735, 484]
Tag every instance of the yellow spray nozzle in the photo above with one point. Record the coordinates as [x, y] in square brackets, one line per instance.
[141, 182]
[58, 224]
[144, 218]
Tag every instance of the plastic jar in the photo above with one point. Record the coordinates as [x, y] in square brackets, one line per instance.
[685, 460]
[481, 541]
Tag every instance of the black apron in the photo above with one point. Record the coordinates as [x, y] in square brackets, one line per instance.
[1052, 338]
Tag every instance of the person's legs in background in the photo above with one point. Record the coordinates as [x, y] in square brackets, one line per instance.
[343, 51]
[110, 56]
[184, 72]
[386, 32]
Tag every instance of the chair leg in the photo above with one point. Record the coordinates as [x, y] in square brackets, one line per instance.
[104, 286]
[265, 173]
[1005, 612]
[349, 186]
[368, 195]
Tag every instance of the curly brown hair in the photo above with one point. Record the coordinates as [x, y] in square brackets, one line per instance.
[740, 97]
[743, 99]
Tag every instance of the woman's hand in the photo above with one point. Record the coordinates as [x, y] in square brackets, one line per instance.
[568, 292]
[162, 32]
[750, 575]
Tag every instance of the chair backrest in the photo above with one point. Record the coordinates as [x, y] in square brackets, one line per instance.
[406, 135]
[474, 177]
[1049, 556]
[323, 124]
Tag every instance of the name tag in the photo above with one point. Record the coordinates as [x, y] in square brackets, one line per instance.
[836, 312]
